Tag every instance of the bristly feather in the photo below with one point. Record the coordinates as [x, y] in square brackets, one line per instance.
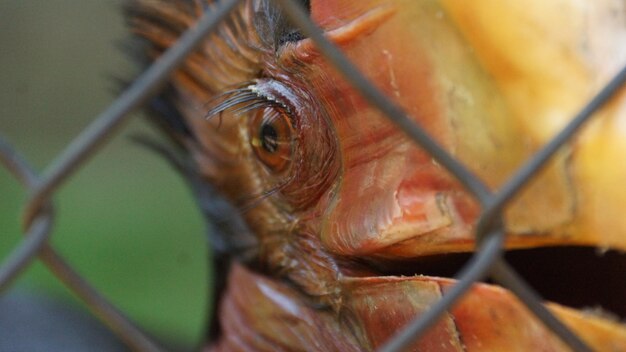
[233, 55]
[230, 55]
[230, 58]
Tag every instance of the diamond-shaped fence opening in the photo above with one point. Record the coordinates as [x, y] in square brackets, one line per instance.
[486, 262]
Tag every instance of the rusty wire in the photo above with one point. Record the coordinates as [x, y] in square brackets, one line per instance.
[487, 261]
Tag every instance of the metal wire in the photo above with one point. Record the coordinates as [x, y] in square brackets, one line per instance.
[475, 270]
[98, 304]
[36, 234]
[103, 127]
[377, 99]
[541, 158]
[492, 204]
[507, 276]
[37, 216]
[490, 234]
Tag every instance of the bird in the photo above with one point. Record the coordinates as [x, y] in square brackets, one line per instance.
[332, 230]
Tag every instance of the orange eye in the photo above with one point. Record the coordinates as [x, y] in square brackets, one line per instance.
[272, 137]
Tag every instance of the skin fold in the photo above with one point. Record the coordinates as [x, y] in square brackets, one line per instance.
[331, 191]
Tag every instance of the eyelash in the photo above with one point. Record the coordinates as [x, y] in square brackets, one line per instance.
[240, 101]
[243, 100]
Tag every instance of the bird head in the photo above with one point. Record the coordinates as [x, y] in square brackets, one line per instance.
[329, 185]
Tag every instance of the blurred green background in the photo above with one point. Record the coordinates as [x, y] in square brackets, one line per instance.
[125, 221]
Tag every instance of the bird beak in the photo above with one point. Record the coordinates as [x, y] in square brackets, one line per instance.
[492, 89]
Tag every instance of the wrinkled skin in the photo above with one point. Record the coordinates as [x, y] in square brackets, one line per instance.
[333, 192]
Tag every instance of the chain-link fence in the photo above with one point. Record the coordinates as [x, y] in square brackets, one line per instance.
[487, 261]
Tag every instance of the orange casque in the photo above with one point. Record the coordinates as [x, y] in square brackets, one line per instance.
[340, 192]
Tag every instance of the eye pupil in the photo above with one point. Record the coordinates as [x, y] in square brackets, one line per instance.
[269, 138]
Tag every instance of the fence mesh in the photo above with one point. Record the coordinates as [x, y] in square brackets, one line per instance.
[487, 261]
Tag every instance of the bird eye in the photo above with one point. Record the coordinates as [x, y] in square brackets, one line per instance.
[285, 126]
[272, 138]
